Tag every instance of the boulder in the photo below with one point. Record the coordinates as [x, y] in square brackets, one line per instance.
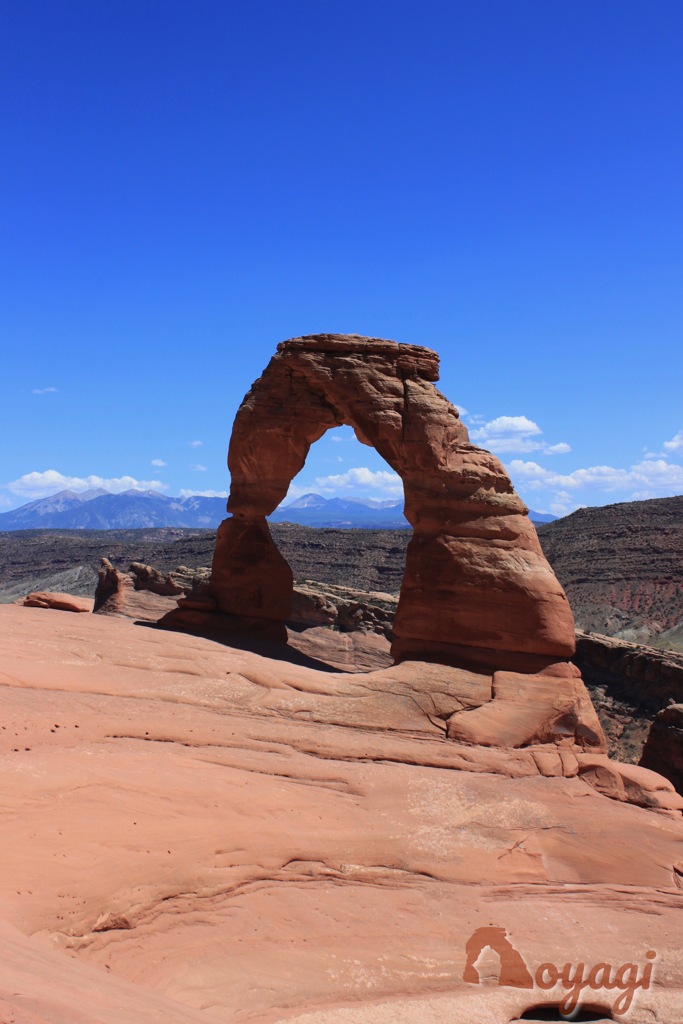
[61, 602]
[341, 608]
[630, 783]
[531, 709]
[118, 594]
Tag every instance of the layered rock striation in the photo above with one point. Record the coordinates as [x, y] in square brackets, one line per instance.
[629, 684]
[621, 568]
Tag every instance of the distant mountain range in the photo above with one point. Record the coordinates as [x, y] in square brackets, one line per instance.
[363, 513]
[131, 510]
[100, 510]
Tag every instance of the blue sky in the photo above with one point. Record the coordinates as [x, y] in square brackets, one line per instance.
[185, 183]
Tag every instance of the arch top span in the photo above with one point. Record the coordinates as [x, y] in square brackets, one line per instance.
[476, 579]
[412, 360]
[382, 389]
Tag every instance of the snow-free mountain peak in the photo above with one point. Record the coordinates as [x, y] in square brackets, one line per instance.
[134, 509]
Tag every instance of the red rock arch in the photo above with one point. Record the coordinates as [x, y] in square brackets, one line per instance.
[477, 588]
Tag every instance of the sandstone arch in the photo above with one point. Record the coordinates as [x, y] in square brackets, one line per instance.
[477, 588]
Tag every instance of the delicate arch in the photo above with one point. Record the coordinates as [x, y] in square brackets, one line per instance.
[477, 587]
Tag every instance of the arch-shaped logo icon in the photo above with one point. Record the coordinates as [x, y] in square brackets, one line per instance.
[513, 970]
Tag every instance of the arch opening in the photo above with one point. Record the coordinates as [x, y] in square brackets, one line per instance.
[343, 533]
[346, 488]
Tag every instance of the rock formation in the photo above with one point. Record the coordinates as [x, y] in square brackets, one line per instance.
[647, 676]
[60, 602]
[143, 592]
[342, 608]
[477, 592]
[629, 684]
[477, 589]
[663, 751]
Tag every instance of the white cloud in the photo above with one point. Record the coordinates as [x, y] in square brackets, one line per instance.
[158, 463]
[195, 444]
[203, 494]
[507, 426]
[676, 443]
[198, 468]
[522, 445]
[44, 391]
[515, 434]
[461, 409]
[39, 485]
[5, 501]
[382, 480]
[558, 449]
[340, 434]
[650, 478]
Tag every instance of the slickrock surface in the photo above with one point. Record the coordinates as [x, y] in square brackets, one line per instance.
[628, 683]
[477, 588]
[193, 832]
